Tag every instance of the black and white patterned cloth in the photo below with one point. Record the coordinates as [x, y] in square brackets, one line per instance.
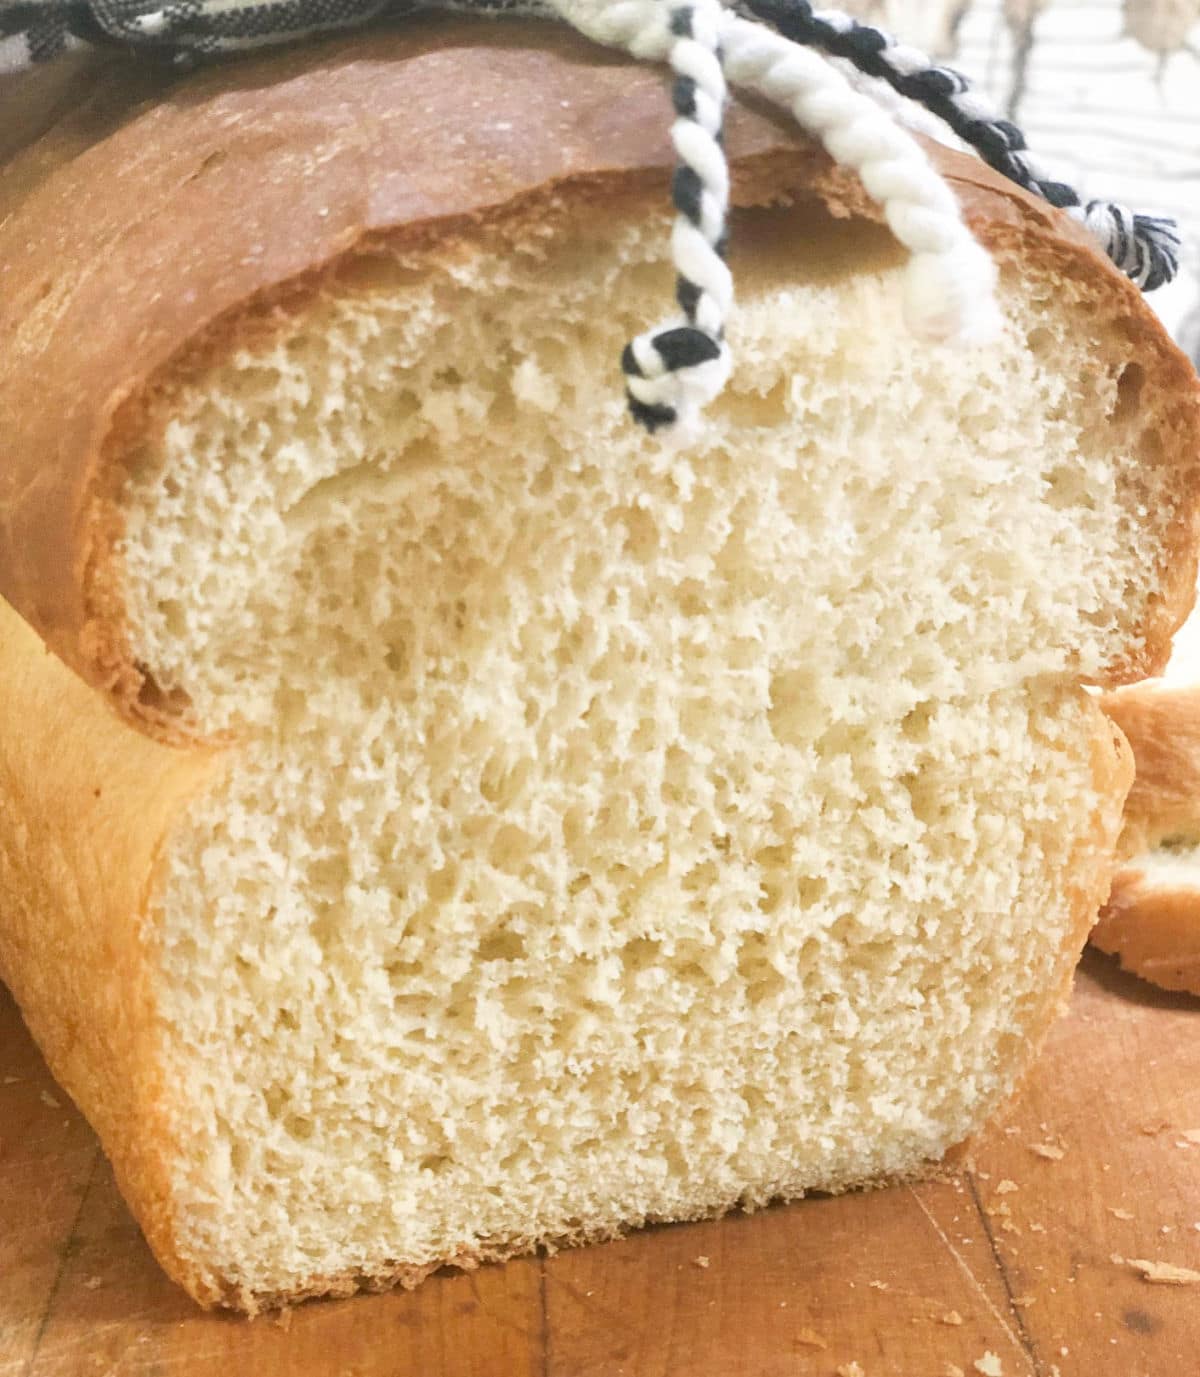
[777, 49]
[33, 31]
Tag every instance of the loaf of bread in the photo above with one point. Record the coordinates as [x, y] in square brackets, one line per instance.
[1151, 921]
[441, 819]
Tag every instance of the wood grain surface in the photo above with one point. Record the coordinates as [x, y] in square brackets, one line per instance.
[1029, 1255]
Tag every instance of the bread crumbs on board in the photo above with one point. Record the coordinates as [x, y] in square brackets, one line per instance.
[701, 1261]
[951, 1317]
[1050, 1151]
[1162, 1273]
[953, 1370]
[1120, 1214]
[989, 1365]
[809, 1338]
[850, 1370]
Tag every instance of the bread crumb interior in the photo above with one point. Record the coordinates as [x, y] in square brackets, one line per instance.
[618, 831]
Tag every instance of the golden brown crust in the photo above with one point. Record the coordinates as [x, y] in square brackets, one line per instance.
[264, 175]
[1152, 923]
[1087, 887]
[1153, 931]
[87, 801]
[1089, 879]
[1162, 725]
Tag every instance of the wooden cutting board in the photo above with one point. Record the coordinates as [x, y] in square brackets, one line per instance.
[1033, 1256]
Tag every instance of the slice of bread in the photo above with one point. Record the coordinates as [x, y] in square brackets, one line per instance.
[1151, 921]
[451, 820]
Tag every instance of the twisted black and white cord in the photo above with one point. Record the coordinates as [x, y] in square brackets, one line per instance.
[1145, 247]
[671, 373]
[183, 31]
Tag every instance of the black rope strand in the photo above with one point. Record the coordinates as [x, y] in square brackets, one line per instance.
[1146, 247]
[692, 344]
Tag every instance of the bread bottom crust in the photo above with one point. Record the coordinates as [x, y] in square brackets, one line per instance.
[236, 1297]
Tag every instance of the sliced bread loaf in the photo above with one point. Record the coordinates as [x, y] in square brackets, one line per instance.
[450, 820]
[1151, 921]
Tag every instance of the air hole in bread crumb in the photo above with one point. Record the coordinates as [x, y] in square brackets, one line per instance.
[174, 616]
[171, 702]
[811, 889]
[1130, 382]
[797, 713]
[374, 272]
[442, 883]
[915, 723]
[1042, 342]
[701, 878]
[511, 848]
[502, 780]
[641, 532]
[502, 944]
[926, 802]
[299, 1127]
[640, 953]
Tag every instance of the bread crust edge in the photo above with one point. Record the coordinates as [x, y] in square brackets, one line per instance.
[1153, 928]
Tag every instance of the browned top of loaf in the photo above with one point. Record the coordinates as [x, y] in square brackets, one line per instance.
[134, 230]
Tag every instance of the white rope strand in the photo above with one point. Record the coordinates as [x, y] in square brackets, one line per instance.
[951, 278]
[950, 281]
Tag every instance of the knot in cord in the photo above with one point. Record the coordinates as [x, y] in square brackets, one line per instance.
[673, 372]
[1145, 247]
